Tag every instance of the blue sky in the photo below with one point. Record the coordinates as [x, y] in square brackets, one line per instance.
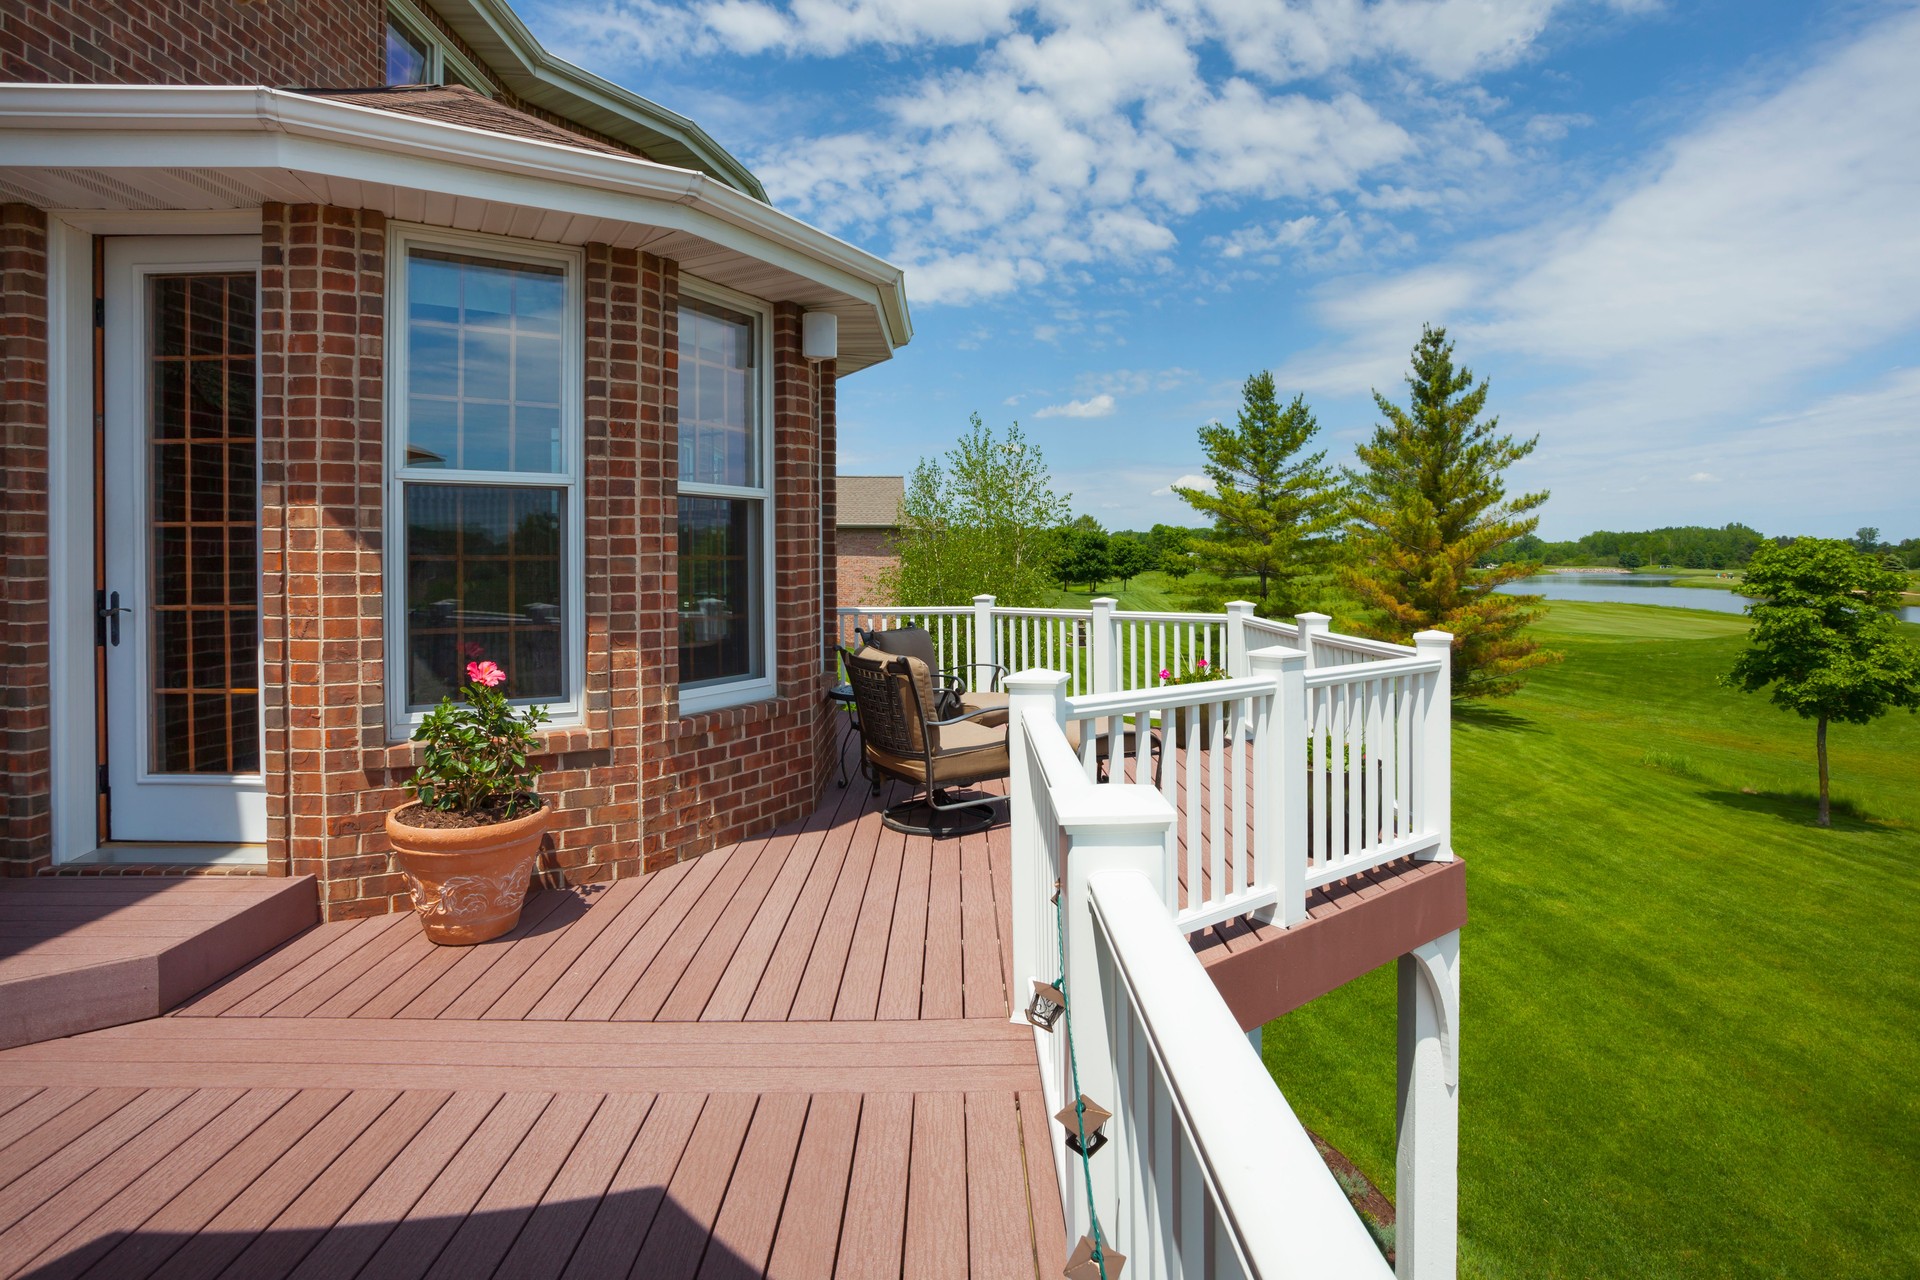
[1681, 238]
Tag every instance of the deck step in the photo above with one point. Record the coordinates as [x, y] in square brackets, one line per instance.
[81, 953]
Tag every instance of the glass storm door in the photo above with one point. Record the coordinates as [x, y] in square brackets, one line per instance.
[180, 609]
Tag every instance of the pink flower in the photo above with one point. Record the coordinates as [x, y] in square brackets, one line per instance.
[1165, 674]
[486, 673]
[1201, 663]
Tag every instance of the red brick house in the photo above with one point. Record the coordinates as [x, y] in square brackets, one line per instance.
[867, 519]
[344, 342]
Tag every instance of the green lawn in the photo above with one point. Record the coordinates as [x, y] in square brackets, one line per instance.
[1691, 1024]
[1154, 592]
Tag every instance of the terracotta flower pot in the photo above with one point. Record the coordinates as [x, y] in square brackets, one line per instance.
[468, 883]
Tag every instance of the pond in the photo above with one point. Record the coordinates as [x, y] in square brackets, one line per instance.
[1641, 588]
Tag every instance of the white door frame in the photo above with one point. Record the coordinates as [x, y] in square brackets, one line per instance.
[148, 806]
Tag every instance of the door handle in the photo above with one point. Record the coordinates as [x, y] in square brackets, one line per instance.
[107, 613]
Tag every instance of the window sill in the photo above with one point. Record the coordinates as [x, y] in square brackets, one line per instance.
[726, 697]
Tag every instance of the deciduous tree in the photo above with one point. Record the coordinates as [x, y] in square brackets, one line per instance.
[1271, 504]
[979, 523]
[1427, 504]
[1127, 556]
[1824, 639]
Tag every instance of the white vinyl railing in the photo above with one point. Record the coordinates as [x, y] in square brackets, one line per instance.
[1321, 757]
[1183, 1187]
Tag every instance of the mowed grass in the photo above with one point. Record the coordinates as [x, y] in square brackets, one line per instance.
[1691, 1024]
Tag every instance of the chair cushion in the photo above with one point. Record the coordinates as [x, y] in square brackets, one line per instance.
[917, 643]
[994, 704]
[970, 752]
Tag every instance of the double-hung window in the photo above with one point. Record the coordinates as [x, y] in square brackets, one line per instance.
[726, 517]
[484, 383]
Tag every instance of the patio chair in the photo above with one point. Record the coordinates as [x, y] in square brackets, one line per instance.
[903, 736]
[950, 686]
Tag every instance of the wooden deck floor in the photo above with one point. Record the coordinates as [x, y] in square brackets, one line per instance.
[787, 1058]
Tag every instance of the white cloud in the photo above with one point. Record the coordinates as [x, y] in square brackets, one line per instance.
[1078, 134]
[1766, 247]
[1183, 482]
[1704, 477]
[1100, 406]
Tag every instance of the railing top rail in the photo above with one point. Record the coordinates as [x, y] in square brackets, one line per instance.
[1155, 615]
[1077, 802]
[1361, 644]
[1159, 697]
[1321, 677]
[1268, 624]
[906, 610]
[1008, 611]
[1283, 1212]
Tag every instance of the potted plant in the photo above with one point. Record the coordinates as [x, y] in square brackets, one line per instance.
[1200, 672]
[468, 839]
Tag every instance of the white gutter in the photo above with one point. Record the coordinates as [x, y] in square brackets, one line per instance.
[136, 109]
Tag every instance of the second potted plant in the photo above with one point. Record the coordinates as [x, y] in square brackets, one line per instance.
[469, 838]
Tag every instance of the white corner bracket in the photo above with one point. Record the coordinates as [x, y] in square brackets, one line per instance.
[1439, 963]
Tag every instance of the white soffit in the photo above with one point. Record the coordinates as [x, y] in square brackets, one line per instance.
[195, 148]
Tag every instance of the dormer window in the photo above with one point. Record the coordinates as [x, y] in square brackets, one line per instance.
[417, 53]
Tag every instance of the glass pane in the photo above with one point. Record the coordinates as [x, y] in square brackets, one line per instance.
[406, 57]
[202, 584]
[484, 357]
[720, 590]
[719, 401]
[485, 583]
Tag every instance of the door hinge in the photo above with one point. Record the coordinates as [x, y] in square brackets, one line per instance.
[99, 313]
[100, 777]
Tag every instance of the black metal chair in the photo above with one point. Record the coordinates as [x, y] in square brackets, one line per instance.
[903, 736]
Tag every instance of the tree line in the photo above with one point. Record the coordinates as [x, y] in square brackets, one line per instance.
[1408, 528]
[1690, 547]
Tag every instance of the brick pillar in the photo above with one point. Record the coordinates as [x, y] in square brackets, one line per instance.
[26, 830]
[322, 293]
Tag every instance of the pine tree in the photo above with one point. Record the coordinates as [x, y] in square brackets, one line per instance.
[1427, 507]
[1270, 507]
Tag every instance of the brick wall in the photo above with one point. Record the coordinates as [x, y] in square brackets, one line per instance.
[864, 555]
[311, 43]
[25, 750]
[636, 784]
[715, 778]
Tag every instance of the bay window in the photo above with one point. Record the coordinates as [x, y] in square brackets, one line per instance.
[484, 379]
[725, 520]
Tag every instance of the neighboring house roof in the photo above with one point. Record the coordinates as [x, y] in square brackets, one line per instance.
[868, 502]
[457, 104]
[496, 34]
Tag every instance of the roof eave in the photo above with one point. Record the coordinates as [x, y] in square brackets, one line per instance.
[512, 51]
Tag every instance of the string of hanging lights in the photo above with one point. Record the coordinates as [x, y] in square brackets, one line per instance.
[1083, 1118]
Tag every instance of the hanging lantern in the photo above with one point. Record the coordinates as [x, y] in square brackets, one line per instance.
[1089, 1119]
[1048, 1003]
[1082, 1265]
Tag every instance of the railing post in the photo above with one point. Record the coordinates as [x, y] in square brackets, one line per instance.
[1238, 611]
[1280, 781]
[1030, 861]
[985, 642]
[1311, 626]
[1112, 828]
[1435, 778]
[1106, 646]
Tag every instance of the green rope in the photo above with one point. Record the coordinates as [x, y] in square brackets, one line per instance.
[1073, 1063]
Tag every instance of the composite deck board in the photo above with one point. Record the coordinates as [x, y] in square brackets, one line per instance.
[547, 1240]
[757, 1191]
[624, 1218]
[873, 1229]
[860, 980]
[553, 987]
[827, 963]
[906, 946]
[512, 954]
[808, 1236]
[937, 1188]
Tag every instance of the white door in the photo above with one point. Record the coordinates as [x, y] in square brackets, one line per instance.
[180, 611]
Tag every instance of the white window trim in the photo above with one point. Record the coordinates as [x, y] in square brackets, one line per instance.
[442, 58]
[733, 693]
[402, 238]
